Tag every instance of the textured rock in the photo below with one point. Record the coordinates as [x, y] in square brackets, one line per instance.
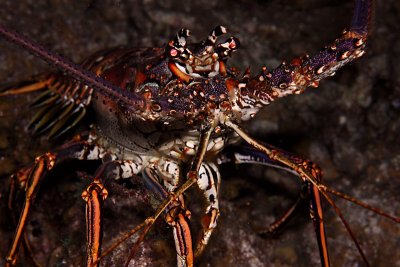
[349, 125]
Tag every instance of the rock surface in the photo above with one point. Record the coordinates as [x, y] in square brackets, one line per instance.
[350, 126]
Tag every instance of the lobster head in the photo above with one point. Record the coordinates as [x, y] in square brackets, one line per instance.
[201, 59]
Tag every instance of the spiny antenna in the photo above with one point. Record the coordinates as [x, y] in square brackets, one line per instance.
[134, 100]
[121, 240]
[362, 204]
[346, 225]
[324, 190]
[362, 16]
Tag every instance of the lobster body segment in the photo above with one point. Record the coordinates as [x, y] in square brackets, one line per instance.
[178, 97]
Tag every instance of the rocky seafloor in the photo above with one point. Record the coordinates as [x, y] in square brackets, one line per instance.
[350, 126]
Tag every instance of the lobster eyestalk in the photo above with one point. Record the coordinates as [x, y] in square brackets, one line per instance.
[300, 73]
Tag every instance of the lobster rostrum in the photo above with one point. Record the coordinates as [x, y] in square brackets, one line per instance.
[167, 114]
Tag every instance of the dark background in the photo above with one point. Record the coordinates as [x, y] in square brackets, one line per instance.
[350, 126]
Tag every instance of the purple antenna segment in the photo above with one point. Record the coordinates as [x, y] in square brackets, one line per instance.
[102, 86]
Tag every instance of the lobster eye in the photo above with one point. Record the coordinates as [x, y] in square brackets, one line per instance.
[173, 52]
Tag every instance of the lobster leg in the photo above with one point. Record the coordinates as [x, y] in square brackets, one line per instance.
[208, 182]
[192, 177]
[183, 240]
[94, 196]
[44, 164]
[176, 214]
[248, 155]
[278, 224]
[309, 173]
[15, 90]
[17, 184]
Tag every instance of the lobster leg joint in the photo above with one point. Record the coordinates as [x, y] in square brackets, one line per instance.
[94, 195]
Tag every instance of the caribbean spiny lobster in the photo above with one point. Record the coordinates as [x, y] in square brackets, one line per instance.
[170, 115]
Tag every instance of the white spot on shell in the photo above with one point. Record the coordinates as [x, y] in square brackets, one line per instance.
[321, 69]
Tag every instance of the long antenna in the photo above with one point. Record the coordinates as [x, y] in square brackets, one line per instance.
[102, 86]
